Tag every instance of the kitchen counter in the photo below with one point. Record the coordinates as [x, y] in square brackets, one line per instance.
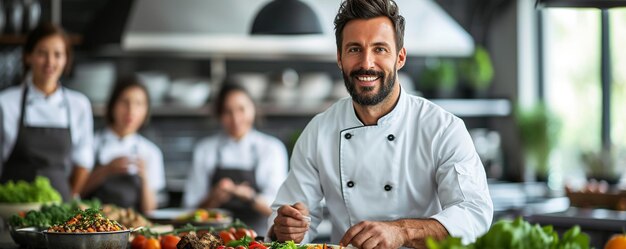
[600, 224]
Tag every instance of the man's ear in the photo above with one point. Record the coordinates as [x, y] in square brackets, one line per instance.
[339, 60]
[401, 58]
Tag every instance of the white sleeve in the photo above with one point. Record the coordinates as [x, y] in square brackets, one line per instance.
[156, 168]
[462, 185]
[197, 186]
[82, 135]
[303, 181]
[272, 169]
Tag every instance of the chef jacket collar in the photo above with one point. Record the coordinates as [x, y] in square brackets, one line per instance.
[244, 141]
[390, 117]
[109, 135]
[34, 94]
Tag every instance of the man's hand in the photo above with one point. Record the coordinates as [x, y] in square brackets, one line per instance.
[374, 234]
[291, 224]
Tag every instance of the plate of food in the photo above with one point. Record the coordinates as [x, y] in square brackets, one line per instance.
[196, 217]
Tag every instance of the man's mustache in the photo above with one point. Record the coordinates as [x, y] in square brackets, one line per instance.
[366, 72]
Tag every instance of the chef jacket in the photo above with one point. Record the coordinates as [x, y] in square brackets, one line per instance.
[108, 146]
[418, 161]
[50, 111]
[271, 165]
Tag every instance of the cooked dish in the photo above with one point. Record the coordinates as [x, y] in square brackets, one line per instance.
[87, 221]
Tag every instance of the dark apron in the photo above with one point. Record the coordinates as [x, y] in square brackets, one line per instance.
[41, 151]
[241, 209]
[123, 190]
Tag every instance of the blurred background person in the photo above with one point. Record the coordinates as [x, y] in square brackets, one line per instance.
[239, 169]
[46, 129]
[129, 168]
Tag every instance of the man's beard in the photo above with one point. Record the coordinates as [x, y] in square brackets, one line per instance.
[363, 99]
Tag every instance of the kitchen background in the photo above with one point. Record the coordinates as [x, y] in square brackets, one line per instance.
[532, 86]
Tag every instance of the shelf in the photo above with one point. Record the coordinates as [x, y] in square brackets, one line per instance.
[476, 107]
[266, 109]
[459, 107]
[17, 40]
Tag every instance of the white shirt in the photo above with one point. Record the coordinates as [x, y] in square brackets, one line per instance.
[108, 146]
[417, 162]
[270, 172]
[51, 111]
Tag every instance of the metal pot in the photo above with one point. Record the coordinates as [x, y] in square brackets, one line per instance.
[97, 240]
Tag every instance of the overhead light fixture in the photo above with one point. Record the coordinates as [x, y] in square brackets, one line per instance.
[601, 4]
[286, 17]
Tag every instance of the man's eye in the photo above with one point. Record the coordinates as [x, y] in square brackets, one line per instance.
[350, 50]
[381, 50]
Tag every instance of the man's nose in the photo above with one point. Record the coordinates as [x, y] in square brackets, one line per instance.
[367, 61]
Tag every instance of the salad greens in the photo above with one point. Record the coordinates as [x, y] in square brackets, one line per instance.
[518, 234]
[51, 214]
[22, 192]
[287, 245]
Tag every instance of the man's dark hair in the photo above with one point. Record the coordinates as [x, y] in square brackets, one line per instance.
[366, 9]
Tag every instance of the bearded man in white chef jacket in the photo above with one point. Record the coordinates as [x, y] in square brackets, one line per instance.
[393, 168]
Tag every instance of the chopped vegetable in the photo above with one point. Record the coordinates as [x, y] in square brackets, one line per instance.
[50, 214]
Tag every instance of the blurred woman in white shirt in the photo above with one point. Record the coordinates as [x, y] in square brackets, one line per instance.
[239, 169]
[129, 168]
[46, 129]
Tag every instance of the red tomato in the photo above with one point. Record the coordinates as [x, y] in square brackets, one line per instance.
[152, 243]
[169, 241]
[138, 242]
[252, 233]
[242, 232]
[221, 247]
[226, 236]
[256, 246]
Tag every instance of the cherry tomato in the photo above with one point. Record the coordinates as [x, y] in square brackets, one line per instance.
[169, 241]
[152, 243]
[252, 233]
[138, 242]
[256, 245]
[242, 232]
[226, 236]
[221, 247]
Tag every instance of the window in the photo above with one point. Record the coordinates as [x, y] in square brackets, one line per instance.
[572, 83]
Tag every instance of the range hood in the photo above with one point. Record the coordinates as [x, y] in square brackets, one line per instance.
[221, 28]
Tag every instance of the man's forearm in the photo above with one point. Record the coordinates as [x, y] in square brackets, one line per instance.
[415, 231]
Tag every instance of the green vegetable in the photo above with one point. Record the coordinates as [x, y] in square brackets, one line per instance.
[51, 214]
[245, 241]
[286, 245]
[518, 234]
[22, 192]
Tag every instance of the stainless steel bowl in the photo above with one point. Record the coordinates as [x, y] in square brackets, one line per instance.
[97, 240]
[28, 237]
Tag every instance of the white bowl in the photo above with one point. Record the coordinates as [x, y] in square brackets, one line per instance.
[255, 83]
[9, 209]
[190, 92]
[157, 84]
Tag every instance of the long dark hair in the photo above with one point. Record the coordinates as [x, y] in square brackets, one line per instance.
[121, 86]
[227, 89]
[367, 9]
[43, 31]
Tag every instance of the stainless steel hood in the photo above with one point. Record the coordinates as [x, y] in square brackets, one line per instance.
[221, 28]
